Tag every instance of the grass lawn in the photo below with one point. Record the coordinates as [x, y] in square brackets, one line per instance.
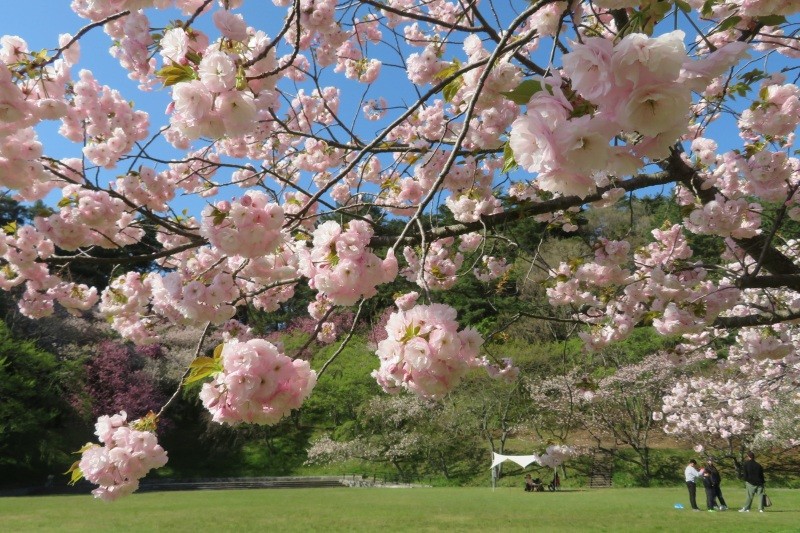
[418, 509]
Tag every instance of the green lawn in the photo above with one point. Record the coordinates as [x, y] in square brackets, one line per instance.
[418, 509]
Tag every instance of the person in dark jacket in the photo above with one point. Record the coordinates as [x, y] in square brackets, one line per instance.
[716, 482]
[753, 482]
[708, 485]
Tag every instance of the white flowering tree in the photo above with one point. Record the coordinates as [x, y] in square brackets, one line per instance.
[733, 410]
[295, 125]
[620, 409]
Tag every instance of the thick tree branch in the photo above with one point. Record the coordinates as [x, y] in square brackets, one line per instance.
[529, 210]
[735, 322]
[71, 259]
[788, 281]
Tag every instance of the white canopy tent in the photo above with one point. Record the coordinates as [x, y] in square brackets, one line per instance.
[552, 458]
[521, 460]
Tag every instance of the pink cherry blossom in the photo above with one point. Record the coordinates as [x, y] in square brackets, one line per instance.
[127, 454]
[424, 352]
[257, 384]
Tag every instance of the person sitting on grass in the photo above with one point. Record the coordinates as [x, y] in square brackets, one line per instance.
[533, 485]
[528, 483]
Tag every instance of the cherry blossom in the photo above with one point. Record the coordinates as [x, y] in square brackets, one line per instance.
[424, 352]
[256, 384]
[128, 452]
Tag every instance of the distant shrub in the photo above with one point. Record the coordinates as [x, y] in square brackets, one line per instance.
[116, 380]
[377, 332]
[343, 320]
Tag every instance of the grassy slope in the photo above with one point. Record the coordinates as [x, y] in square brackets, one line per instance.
[433, 509]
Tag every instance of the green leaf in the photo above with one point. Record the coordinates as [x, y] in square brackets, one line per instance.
[658, 10]
[509, 163]
[411, 332]
[219, 216]
[772, 20]
[67, 200]
[241, 79]
[75, 473]
[523, 92]
[40, 56]
[332, 259]
[10, 228]
[194, 57]
[683, 6]
[203, 367]
[448, 71]
[707, 7]
[451, 89]
[753, 75]
[730, 22]
[149, 422]
[172, 74]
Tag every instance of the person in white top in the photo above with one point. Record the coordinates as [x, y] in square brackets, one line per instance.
[691, 474]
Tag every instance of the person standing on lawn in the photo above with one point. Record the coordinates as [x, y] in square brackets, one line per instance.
[753, 482]
[691, 474]
[708, 484]
[716, 482]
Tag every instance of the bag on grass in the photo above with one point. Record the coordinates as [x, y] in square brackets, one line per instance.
[767, 501]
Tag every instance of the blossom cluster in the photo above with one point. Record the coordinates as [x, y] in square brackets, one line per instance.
[127, 454]
[340, 264]
[556, 454]
[658, 282]
[435, 268]
[508, 372]
[637, 85]
[257, 384]
[424, 351]
[247, 227]
[694, 408]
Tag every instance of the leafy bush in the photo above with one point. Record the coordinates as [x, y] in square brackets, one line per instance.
[116, 380]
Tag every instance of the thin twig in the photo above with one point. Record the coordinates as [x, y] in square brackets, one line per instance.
[344, 342]
[186, 372]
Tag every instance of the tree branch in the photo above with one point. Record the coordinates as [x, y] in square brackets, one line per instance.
[556, 204]
[789, 281]
[735, 322]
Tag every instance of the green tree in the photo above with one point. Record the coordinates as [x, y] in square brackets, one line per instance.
[35, 413]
